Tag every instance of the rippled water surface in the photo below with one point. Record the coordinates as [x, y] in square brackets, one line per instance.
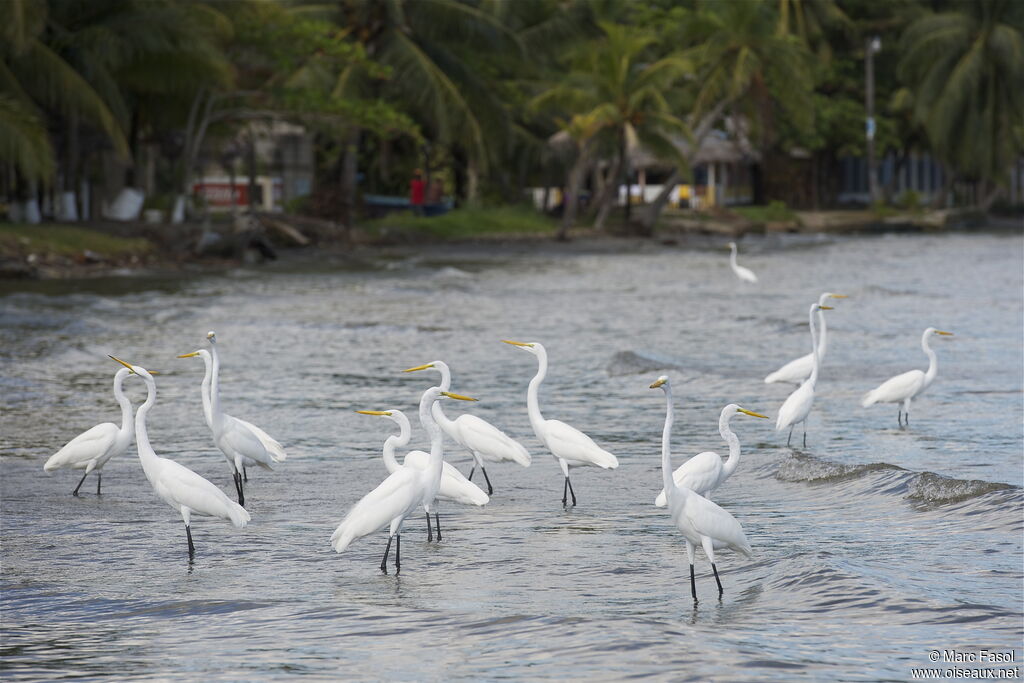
[873, 545]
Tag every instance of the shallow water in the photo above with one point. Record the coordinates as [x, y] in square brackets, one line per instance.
[873, 545]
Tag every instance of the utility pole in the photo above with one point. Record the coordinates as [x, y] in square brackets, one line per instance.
[873, 45]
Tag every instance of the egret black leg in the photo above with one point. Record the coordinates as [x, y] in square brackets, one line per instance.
[384, 561]
[906, 419]
[245, 474]
[693, 585]
[437, 520]
[805, 435]
[398, 554]
[717, 580]
[239, 489]
[430, 532]
[899, 416]
[490, 489]
[75, 492]
[99, 482]
[191, 548]
[565, 491]
[471, 471]
[790, 434]
[571, 492]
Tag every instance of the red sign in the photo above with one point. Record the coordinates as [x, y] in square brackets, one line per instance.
[220, 194]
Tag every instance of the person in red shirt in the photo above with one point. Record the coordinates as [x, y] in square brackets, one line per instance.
[417, 189]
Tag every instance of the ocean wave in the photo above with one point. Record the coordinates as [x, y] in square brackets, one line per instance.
[923, 488]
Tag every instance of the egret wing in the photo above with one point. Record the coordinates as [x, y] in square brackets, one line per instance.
[87, 446]
[897, 388]
[700, 474]
[240, 438]
[273, 447]
[710, 519]
[794, 371]
[571, 444]
[489, 441]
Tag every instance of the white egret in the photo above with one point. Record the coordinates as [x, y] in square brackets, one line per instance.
[91, 449]
[238, 440]
[745, 274]
[479, 437]
[177, 485]
[797, 406]
[454, 486]
[705, 472]
[796, 371]
[400, 494]
[700, 521]
[570, 446]
[903, 388]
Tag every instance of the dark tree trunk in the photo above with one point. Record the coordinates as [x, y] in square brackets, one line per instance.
[349, 167]
[571, 198]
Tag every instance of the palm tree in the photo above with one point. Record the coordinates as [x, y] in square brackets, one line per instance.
[746, 67]
[966, 70]
[615, 96]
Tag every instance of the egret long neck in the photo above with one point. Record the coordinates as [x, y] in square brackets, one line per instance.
[205, 389]
[734, 446]
[147, 456]
[216, 415]
[127, 426]
[823, 339]
[813, 379]
[732, 257]
[436, 438]
[933, 362]
[394, 441]
[532, 402]
[666, 438]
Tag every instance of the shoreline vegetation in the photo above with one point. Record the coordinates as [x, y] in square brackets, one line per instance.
[61, 251]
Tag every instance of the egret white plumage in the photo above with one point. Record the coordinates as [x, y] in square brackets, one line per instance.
[91, 449]
[797, 405]
[796, 371]
[177, 485]
[479, 437]
[569, 446]
[743, 273]
[400, 494]
[700, 521]
[240, 441]
[454, 486]
[705, 472]
[902, 388]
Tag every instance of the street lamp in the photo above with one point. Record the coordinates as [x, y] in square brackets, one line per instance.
[873, 45]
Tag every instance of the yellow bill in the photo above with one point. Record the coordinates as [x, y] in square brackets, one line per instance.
[838, 296]
[374, 412]
[419, 367]
[658, 382]
[515, 343]
[127, 365]
[189, 355]
[948, 334]
[826, 308]
[752, 413]
[458, 397]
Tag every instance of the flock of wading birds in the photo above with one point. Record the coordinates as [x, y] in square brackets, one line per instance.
[422, 477]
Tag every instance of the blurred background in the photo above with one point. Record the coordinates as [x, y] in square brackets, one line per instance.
[525, 116]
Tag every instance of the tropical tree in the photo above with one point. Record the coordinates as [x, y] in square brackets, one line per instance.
[746, 68]
[616, 94]
[965, 68]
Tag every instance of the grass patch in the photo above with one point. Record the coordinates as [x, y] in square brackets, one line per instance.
[775, 212]
[466, 223]
[66, 240]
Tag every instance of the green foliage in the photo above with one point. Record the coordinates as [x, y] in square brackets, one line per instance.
[775, 212]
[64, 240]
[465, 223]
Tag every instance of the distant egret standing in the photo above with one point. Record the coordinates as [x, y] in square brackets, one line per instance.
[91, 449]
[177, 485]
[481, 438]
[902, 388]
[797, 406]
[570, 446]
[700, 521]
[745, 274]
